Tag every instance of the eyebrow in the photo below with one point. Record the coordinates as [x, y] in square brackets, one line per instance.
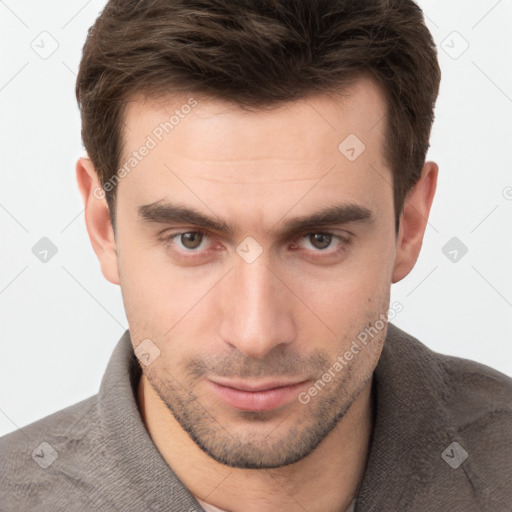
[337, 214]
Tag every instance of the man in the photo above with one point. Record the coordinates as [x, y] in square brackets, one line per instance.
[255, 182]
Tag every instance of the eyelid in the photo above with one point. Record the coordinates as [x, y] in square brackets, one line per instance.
[344, 240]
[168, 237]
[325, 231]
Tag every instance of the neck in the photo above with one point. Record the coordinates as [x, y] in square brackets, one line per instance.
[326, 480]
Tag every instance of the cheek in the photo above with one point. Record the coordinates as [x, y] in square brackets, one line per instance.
[163, 299]
[350, 307]
[148, 291]
[346, 296]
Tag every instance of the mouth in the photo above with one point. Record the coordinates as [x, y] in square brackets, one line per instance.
[256, 396]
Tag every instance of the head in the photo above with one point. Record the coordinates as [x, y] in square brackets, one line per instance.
[255, 182]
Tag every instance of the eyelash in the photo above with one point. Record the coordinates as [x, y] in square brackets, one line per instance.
[324, 253]
[319, 253]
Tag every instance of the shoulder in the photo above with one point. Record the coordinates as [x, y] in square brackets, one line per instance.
[72, 422]
[463, 412]
[466, 386]
[31, 457]
[461, 382]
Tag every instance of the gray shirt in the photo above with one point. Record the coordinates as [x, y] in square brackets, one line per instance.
[441, 441]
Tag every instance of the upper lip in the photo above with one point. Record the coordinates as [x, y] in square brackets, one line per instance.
[255, 386]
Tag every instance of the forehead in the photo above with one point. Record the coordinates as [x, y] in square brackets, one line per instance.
[309, 125]
[216, 157]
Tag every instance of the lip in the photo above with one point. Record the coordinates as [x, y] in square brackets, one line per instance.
[258, 397]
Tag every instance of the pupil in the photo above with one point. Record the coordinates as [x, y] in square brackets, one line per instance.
[188, 240]
[324, 240]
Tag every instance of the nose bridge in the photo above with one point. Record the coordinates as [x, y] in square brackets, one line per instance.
[256, 312]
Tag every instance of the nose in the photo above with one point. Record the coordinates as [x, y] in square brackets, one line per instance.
[256, 309]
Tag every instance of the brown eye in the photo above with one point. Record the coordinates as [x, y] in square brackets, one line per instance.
[320, 240]
[192, 239]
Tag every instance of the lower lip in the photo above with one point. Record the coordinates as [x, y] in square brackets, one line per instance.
[257, 400]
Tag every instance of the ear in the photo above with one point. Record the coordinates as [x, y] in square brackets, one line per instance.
[97, 219]
[413, 221]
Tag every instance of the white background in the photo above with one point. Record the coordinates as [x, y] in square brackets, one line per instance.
[60, 320]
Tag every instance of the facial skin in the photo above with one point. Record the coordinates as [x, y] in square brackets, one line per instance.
[286, 316]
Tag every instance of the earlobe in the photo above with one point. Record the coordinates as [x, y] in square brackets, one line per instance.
[413, 221]
[97, 219]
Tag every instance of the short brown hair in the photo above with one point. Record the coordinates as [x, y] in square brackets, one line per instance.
[257, 54]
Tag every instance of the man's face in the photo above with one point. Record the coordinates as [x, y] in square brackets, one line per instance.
[234, 313]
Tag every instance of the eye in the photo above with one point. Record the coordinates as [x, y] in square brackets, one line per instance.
[313, 245]
[320, 241]
[190, 241]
